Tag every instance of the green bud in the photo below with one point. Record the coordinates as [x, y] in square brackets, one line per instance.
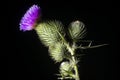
[57, 51]
[66, 68]
[77, 30]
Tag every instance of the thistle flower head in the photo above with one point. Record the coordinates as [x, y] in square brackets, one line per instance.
[30, 18]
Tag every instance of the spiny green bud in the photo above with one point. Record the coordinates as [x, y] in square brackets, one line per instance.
[77, 30]
[65, 68]
[57, 51]
[50, 32]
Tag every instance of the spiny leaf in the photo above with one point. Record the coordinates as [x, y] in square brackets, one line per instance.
[77, 30]
[50, 32]
[57, 51]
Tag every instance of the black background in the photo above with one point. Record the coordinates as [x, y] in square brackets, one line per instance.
[26, 58]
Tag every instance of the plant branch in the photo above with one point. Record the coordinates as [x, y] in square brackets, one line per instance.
[74, 61]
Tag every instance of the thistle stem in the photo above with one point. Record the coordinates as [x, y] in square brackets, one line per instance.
[76, 69]
[74, 61]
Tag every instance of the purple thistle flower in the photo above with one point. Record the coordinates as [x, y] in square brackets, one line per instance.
[30, 18]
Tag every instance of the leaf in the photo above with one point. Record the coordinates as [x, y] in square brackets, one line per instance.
[57, 51]
[50, 32]
[77, 30]
[90, 47]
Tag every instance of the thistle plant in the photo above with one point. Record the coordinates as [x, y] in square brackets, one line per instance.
[52, 34]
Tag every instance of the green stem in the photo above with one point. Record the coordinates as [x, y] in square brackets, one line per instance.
[74, 61]
[75, 68]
